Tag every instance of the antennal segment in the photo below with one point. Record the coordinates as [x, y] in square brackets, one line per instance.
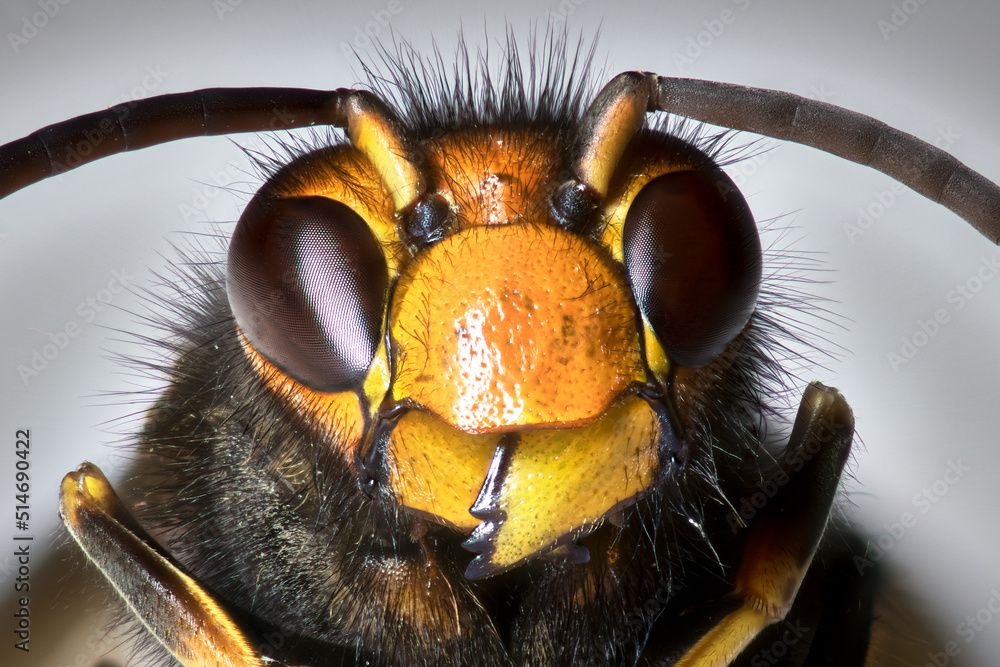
[370, 124]
[926, 169]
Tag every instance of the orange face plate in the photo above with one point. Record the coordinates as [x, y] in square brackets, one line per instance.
[498, 328]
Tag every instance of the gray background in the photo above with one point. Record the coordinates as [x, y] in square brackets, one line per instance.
[935, 75]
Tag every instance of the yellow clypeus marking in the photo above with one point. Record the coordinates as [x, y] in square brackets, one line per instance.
[499, 328]
[437, 470]
[548, 485]
[554, 484]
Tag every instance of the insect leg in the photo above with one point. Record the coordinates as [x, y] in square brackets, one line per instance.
[174, 607]
[784, 535]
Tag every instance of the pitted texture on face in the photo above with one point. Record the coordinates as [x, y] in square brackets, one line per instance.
[493, 176]
[504, 327]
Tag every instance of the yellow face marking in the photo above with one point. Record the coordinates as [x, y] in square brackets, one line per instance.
[554, 483]
[506, 327]
[557, 483]
[378, 380]
[656, 356]
[438, 470]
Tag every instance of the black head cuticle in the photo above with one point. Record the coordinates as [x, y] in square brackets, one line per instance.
[573, 205]
[428, 221]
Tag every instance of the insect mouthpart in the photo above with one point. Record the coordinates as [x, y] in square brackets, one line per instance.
[525, 493]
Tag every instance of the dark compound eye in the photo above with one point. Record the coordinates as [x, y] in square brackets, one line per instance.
[307, 282]
[693, 256]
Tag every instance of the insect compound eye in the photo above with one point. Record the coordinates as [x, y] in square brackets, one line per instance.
[693, 257]
[307, 282]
